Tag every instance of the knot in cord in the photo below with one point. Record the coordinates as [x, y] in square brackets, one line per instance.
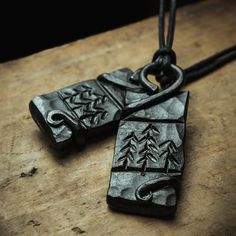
[167, 53]
[165, 56]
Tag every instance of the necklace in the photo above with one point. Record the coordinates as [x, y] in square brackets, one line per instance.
[149, 156]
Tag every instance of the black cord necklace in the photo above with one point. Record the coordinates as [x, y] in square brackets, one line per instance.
[149, 152]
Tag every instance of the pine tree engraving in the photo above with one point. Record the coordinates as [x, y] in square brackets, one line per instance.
[128, 150]
[167, 149]
[150, 150]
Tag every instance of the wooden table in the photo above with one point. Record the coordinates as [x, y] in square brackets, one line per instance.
[66, 196]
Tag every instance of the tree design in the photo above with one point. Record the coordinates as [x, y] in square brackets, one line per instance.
[149, 151]
[168, 148]
[128, 149]
[87, 104]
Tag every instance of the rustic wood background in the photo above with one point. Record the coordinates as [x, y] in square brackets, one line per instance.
[66, 195]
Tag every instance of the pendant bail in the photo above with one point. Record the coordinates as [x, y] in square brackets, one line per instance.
[177, 76]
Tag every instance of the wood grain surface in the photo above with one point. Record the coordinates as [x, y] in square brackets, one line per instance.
[67, 193]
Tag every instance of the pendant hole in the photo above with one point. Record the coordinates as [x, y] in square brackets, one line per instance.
[56, 117]
[152, 79]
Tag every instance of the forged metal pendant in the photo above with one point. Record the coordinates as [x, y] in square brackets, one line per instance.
[149, 159]
[82, 110]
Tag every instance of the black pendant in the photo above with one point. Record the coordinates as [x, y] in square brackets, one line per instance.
[149, 159]
[82, 110]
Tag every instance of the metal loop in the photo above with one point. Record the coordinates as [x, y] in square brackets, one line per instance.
[178, 79]
[155, 68]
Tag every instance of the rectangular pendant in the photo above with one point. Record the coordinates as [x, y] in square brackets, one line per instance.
[149, 159]
[82, 110]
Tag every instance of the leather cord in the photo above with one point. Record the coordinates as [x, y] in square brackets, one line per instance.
[165, 55]
[171, 28]
[165, 49]
[210, 64]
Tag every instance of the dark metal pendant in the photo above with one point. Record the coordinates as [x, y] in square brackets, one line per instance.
[149, 159]
[82, 110]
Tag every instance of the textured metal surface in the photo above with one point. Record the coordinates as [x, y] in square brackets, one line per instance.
[149, 159]
[83, 110]
[75, 112]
